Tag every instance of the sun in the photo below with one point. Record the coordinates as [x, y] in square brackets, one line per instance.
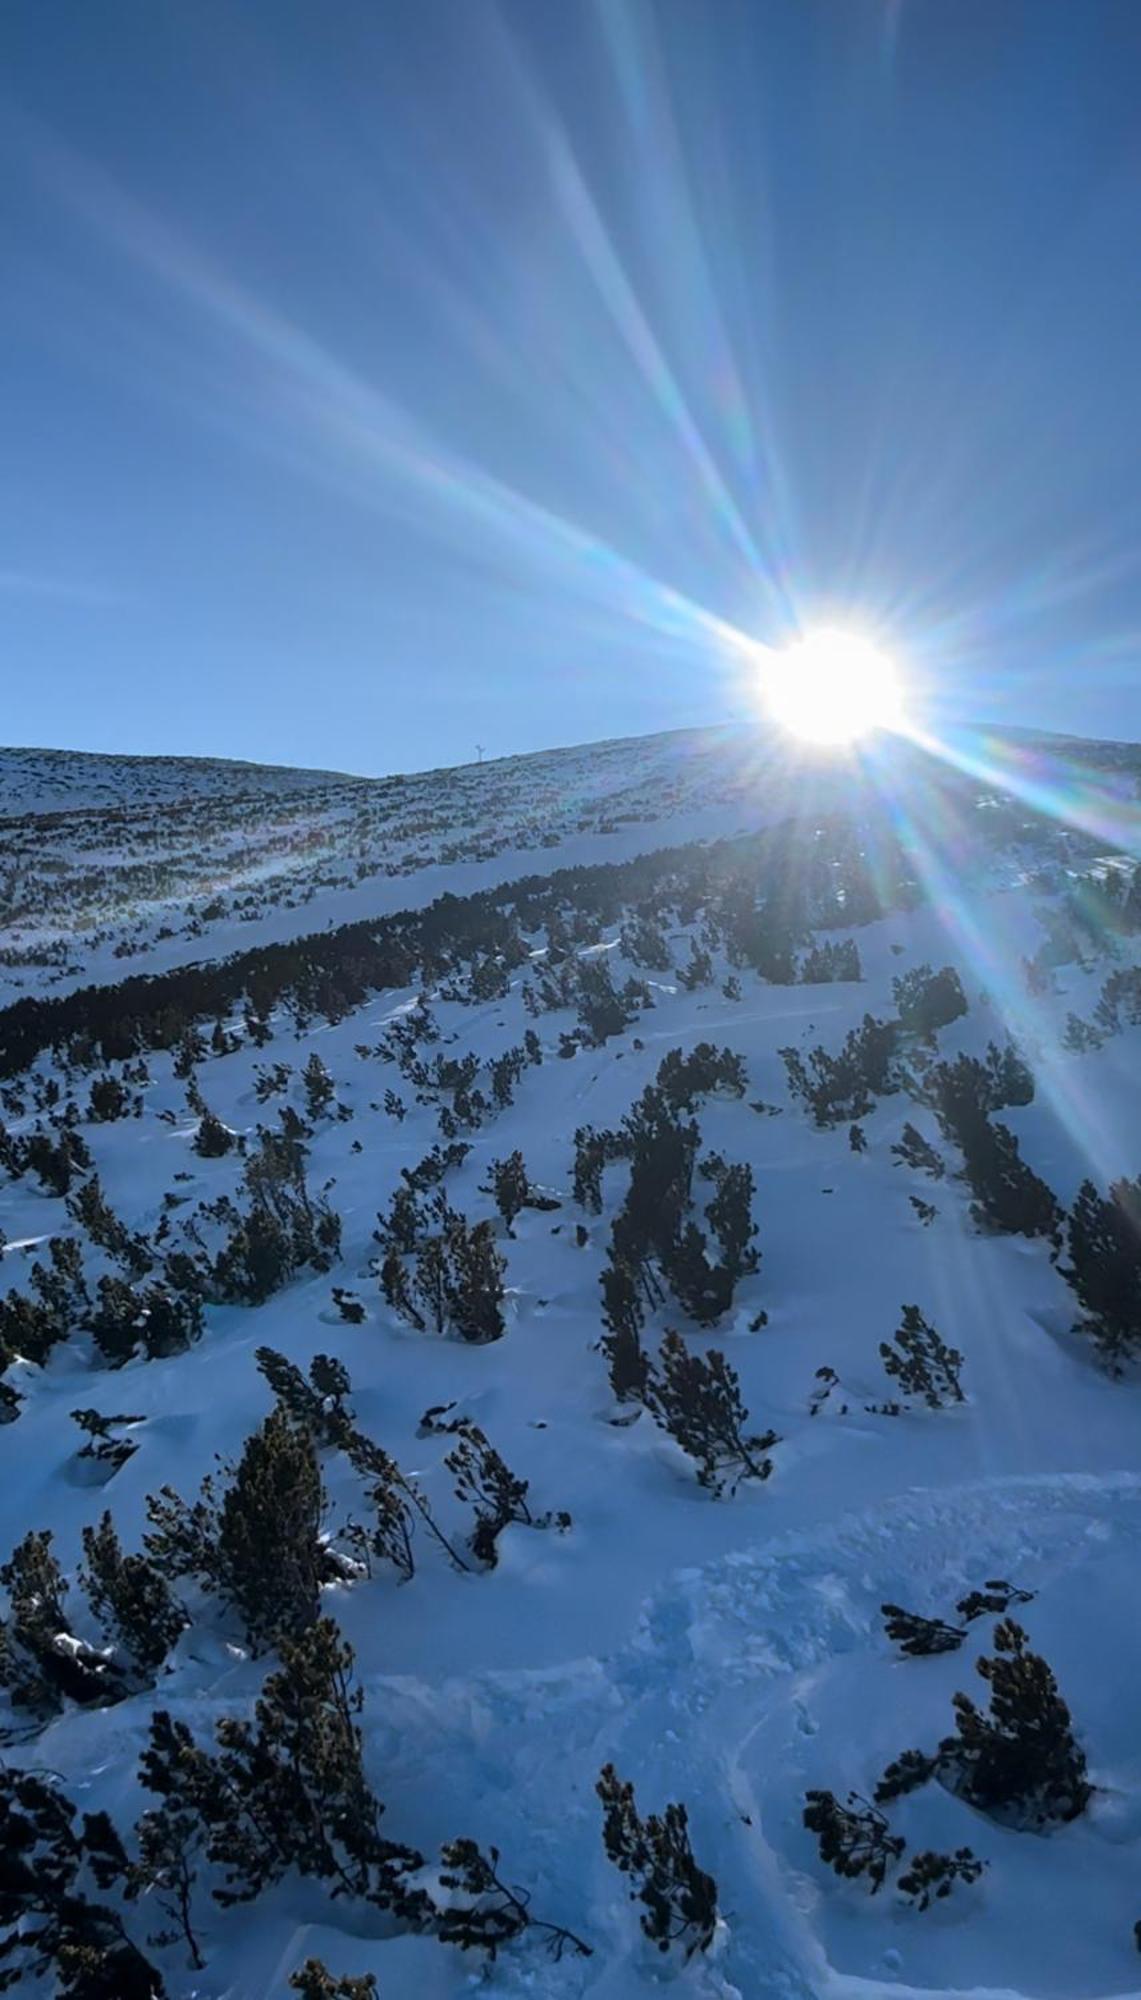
[831, 687]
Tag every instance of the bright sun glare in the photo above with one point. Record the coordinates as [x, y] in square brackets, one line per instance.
[831, 687]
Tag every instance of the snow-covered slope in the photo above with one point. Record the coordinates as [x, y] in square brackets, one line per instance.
[727, 1652]
[134, 864]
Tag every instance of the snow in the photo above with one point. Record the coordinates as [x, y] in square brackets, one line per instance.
[729, 1654]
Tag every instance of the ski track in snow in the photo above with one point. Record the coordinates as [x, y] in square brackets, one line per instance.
[721, 1657]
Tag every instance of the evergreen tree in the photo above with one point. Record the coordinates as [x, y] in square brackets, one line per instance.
[730, 1215]
[270, 1562]
[1105, 1268]
[699, 1402]
[1009, 1195]
[922, 1363]
[679, 1900]
[928, 1000]
[498, 1496]
[319, 1087]
[286, 1791]
[698, 971]
[103, 1448]
[703, 1290]
[916, 1152]
[509, 1185]
[316, 1404]
[396, 1500]
[42, 1662]
[314, 1981]
[621, 1343]
[854, 1838]
[995, 1598]
[483, 1912]
[213, 1140]
[49, 1923]
[1019, 1761]
[931, 1877]
[919, 1637]
[476, 1283]
[169, 1841]
[109, 1100]
[157, 1318]
[131, 1598]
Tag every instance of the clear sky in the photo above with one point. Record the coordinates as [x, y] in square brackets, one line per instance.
[386, 376]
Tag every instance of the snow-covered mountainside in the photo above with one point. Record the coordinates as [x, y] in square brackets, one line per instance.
[134, 864]
[620, 1268]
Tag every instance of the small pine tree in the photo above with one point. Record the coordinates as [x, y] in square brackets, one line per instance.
[730, 1215]
[507, 1182]
[497, 1495]
[919, 1637]
[1019, 1761]
[916, 1152]
[130, 1596]
[1105, 1268]
[168, 1842]
[1022, 1756]
[476, 1284]
[269, 1552]
[483, 1912]
[931, 1877]
[102, 1447]
[928, 1000]
[922, 1363]
[314, 1981]
[854, 1838]
[213, 1139]
[704, 1290]
[319, 1087]
[994, 1599]
[286, 1790]
[42, 1662]
[698, 1400]
[621, 1343]
[1009, 1196]
[316, 1404]
[396, 1499]
[679, 1900]
[49, 1925]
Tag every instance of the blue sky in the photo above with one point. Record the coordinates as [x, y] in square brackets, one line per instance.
[379, 379]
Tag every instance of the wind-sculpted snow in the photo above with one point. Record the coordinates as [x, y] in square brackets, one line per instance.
[729, 1653]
